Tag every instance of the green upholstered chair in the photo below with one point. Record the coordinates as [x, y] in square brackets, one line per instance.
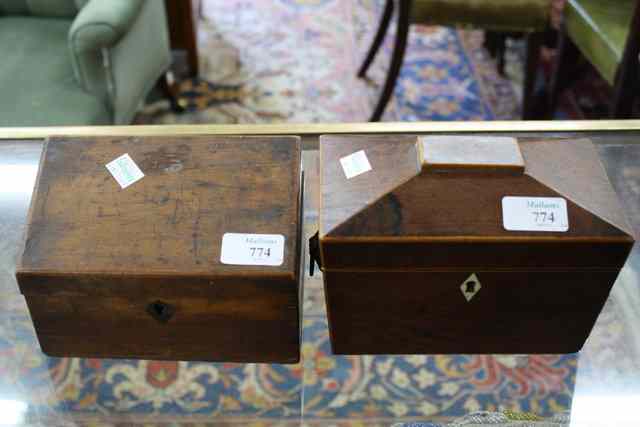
[79, 62]
[505, 16]
[607, 34]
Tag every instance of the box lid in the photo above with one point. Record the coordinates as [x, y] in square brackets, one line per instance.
[446, 202]
[171, 222]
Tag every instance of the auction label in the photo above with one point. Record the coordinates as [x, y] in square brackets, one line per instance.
[355, 164]
[535, 214]
[124, 170]
[252, 249]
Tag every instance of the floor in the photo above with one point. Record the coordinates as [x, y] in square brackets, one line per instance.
[296, 60]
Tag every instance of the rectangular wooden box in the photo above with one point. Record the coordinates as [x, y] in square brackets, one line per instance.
[416, 257]
[137, 272]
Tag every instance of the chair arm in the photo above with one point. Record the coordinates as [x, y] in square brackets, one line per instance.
[99, 24]
[139, 59]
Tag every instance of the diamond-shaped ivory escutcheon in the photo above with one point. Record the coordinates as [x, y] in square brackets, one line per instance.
[470, 287]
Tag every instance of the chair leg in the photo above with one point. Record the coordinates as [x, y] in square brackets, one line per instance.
[496, 43]
[624, 97]
[567, 56]
[396, 60]
[534, 42]
[627, 81]
[627, 85]
[169, 87]
[378, 39]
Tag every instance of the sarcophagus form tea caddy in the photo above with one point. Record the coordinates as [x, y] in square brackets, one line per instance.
[465, 244]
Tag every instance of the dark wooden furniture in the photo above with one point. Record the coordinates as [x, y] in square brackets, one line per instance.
[513, 18]
[608, 36]
[182, 16]
[416, 256]
[137, 272]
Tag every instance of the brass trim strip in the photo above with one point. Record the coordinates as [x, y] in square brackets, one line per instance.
[529, 239]
[15, 133]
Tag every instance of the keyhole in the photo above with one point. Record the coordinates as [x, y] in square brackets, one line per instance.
[160, 311]
[470, 287]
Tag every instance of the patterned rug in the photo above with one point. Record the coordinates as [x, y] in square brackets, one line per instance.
[323, 389]
[295, 61]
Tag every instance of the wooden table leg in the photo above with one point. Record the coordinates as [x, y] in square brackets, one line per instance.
[182, 30]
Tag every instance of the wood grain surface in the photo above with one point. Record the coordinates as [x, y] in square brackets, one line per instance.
[395, 203]
[397, 243]
[172, 221]
[97, 256]
[426, 312]
[467, 154]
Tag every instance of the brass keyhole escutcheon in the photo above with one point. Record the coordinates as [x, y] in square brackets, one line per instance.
[161, 311]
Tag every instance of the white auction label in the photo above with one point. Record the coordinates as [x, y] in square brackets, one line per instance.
[355, 164]
[252, 249]
[125, 170]
[535, 214]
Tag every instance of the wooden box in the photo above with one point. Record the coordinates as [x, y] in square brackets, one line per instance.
[466, 244]
[143, 271]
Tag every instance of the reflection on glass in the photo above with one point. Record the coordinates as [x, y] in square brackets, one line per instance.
[12, 412]
[17, 179]
[605, 410]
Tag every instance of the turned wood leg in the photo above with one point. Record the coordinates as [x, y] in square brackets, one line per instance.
[496, 43]
[625, 93]
[169, 88]
[627, 83]
[567, 56]
[182, 31]
[378, 39]
[396, 59]
[534, 42]
[624, 96]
